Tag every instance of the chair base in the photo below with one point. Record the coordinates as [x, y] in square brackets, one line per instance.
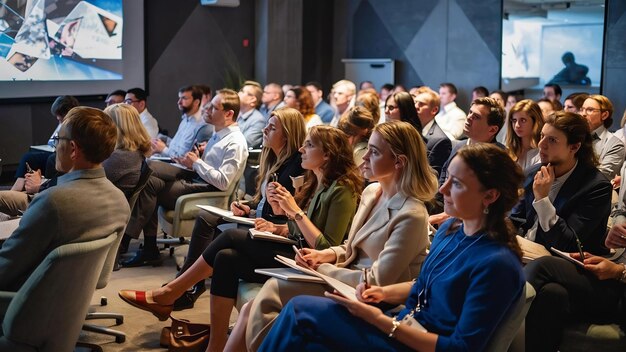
[120, 337]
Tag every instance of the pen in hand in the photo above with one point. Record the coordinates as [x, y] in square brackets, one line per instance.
[29, 169]
[365, 280]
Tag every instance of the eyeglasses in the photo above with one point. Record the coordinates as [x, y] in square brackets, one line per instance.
[130, 101]
[390, 107]
[56, 139]
[589, 110]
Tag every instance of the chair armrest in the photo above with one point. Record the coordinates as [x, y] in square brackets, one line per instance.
[5, 299]
[186, 206]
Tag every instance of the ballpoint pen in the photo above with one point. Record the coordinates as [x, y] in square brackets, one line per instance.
[365, 280]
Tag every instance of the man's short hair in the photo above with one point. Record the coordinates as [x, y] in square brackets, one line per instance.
[118, 92]
[315, 84]
[63, 104]
[257, 90]
[496, 111]
[481, 91]
[451, 87]
[557, 88]
[387, 86]
[93, 131]
[230, 101]
[139, 93]
[433, 97]
[278, 88]
[350, 86]
[196, 93]
[206, 90]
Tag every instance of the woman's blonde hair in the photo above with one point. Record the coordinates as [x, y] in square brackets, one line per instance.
[418, 178]
[295, 131]
[513, 142]
[131, 134]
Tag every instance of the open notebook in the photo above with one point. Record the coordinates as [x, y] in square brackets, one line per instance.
[227, 215]
[344, 289]
[268, 236]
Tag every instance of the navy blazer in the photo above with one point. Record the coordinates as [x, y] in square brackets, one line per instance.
[583, 206]
[438, 147]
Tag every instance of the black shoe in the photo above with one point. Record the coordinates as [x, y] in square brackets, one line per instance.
[141, 259]
[188, 299]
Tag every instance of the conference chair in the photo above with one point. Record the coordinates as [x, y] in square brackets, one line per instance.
[511, 326]
[178, 223]
[47, 312]
[111, 260]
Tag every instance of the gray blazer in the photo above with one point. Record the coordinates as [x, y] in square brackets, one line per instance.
[84, 206]
[393, 241]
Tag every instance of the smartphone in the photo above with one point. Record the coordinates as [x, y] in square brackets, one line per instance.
[272, 178]
[29, 169]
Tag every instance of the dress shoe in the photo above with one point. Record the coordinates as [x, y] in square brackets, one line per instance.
[142, 258]
[188, 299]
[139, 300]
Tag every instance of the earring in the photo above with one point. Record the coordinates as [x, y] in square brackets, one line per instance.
[486, 210]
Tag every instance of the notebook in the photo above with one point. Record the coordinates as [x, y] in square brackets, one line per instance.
[268, 236]
[227, 215]
[289, 274]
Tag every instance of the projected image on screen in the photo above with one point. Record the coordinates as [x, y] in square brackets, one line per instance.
[60, 40]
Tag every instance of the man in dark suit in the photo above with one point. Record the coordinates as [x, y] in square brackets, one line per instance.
[566, 197]
[84, 206]
[438, 145]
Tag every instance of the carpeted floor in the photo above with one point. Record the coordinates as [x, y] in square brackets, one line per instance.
[142, 328]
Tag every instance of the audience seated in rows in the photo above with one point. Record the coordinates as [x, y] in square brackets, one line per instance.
[331, 190]
[389, 234]
[468, 283]
[280, 161]
[224, 155]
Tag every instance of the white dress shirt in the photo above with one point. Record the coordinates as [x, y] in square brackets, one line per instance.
[150, 123]
[185, 135]
[451, 119]
[610, 151]
[225, 153]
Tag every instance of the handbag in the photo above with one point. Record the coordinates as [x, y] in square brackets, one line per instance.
[185, 336]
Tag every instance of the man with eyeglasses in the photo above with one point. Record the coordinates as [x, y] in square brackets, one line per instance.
[191, 129]
[84, 206]
[598, 110]
[450, 118]
[137, 98]
[115, 97]
[250, 120]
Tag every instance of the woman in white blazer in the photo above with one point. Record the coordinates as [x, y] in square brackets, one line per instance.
[389, 233]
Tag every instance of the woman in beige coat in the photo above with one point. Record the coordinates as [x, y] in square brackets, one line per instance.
[389, 233]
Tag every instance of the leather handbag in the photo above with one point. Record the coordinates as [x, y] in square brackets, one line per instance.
[185, 336]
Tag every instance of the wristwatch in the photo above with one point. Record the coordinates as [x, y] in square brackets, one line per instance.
[298, 215]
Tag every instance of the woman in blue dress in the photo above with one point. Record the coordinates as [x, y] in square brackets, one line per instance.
[470, 280]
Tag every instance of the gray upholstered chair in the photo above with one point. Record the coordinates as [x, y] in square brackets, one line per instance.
[178, 223]
[512, 324]
[109, 263]
[48, 311]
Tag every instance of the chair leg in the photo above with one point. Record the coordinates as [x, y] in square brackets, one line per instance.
[93, 347]
[120, 337]
[119, 319]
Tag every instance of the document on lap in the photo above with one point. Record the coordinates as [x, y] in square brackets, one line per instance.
[268, 236]
[343, 289]
[566, 256]
[227, 215]
[289, 274]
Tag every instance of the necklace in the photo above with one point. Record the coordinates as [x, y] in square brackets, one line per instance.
[423, 295]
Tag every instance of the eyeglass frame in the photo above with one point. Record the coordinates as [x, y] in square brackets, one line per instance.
[57, 139]
[590, 110]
